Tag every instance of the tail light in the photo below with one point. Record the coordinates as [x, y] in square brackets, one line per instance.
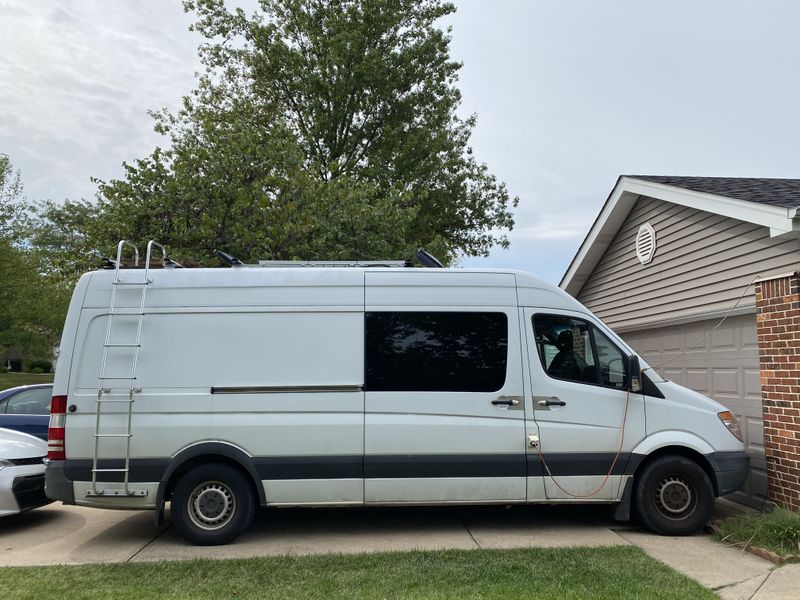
[55, 432]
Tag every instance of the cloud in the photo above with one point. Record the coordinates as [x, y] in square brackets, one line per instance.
[82, 77]
[547, 232]
[568, 97]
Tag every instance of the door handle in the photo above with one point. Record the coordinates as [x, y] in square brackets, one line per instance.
[506, 400]
[551, 402]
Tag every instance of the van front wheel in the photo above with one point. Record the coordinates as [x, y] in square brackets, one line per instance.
[212, 505]
[674, 496]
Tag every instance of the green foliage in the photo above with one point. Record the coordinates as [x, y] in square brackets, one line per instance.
[12, 205]
[320, 129]
[541, 573]
[33, 303]
[43, 366]
[778, 531]
[64, 237]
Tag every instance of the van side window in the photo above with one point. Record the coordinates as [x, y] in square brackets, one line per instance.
[436, 351]
[575, 350]
[612, 362]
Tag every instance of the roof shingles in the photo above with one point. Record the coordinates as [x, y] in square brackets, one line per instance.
[775, 192]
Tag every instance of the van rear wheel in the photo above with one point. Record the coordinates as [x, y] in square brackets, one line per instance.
[674, 496]
[212, 505]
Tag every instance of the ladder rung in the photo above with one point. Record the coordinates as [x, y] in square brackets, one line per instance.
[142, 283]
[109, 470]
[118, 400]
[122, 345]
[117, 378]
[113, 435]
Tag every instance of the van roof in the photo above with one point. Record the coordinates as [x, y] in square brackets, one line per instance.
[531, 290]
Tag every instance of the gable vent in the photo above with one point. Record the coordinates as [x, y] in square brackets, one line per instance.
[646, 243]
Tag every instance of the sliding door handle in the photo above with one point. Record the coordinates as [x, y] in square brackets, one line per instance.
[507, 401]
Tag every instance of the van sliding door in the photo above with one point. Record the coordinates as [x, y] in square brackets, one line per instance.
[444, 414]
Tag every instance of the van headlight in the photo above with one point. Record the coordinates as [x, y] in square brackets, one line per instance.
[731, 422]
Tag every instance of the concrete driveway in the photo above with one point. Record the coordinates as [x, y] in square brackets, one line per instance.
[58, 534]
[72, 535]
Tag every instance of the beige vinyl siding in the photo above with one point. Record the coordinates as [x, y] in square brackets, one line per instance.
[701, 266]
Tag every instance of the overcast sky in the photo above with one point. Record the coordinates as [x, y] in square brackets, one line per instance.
[569, 95]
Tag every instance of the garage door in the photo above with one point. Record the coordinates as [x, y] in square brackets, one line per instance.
[724, 367]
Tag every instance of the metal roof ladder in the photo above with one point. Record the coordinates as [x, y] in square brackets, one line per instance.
[109, 389]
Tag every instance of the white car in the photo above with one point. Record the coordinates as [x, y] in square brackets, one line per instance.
[21, 472]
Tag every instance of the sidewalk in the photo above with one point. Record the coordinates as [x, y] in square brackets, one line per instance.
[733, 574]
[74, 535]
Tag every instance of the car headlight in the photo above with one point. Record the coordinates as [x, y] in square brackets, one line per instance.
[5, 463]
[731, 422]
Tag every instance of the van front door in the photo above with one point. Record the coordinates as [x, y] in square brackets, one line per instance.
[444, 406]
[580, 401]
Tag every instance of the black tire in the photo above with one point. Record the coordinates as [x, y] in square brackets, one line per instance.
[674, 496]
[212, 505]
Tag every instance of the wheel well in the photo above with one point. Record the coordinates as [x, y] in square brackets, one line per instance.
[692, 455]
[196, 461]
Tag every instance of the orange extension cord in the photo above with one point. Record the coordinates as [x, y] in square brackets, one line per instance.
[613, 462]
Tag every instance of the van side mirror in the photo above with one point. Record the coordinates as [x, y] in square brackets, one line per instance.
[635, 375]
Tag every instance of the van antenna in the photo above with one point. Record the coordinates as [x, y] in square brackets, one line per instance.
[231, 260]
[428, 260]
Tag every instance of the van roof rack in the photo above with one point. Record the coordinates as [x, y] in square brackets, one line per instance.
[333, 263]
[424, 258]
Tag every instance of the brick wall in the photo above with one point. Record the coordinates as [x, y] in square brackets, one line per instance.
[778, 324]
[579, 341]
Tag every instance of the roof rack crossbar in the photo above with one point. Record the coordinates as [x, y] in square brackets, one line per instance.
[332, 263]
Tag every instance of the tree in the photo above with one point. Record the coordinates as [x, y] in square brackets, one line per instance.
[33, 303]
[319, 129]
[11, 203]
[11, 258]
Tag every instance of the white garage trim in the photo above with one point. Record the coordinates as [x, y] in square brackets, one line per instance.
[779, 220]
[719, 314]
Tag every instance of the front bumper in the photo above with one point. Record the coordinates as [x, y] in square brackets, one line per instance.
[730, 470]
[29, 491]
[21, 488]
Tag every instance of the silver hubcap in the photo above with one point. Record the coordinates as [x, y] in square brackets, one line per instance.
[211, 505]
[674, 496]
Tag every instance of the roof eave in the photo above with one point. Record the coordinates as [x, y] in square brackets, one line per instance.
[626, 192]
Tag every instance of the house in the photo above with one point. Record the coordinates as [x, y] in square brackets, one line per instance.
[10, 359]
[667, 258]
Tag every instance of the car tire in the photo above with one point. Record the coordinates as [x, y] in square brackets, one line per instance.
[674, 496]
[212, 505]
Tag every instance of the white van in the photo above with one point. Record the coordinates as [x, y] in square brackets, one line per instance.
[221, 390]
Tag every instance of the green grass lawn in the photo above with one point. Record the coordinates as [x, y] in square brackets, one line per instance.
[778, 530]
[9, 380]
[559, 573]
